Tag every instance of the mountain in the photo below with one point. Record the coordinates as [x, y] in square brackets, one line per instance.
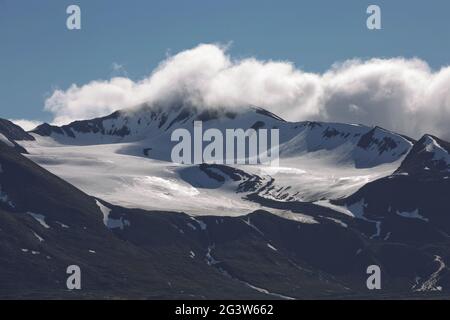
[416, 191]
[46, 225]
[343, 197]
[10, 133]
[150, 128]
[411, 205]
[13, 131]
[125, 158]
[429, 158]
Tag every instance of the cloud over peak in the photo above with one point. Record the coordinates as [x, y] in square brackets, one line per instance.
[403, 95]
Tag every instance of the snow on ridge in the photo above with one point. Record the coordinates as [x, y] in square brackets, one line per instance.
[328, 204]
[355, 210]
[111, 223]
[439, 153]
[362, 146]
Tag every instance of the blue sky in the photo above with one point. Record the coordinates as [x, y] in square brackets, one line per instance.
[38, 53]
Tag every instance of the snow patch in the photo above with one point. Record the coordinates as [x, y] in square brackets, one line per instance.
[191, 226]
[434, 147]
[39, 218]
[202, 225]
[327, 204]
[247, 222]
[265, 291]
[111, 223]
[412, 215]
[62, 225]
[337, 221]
[431, 283]
[38, 237]
[357, 209]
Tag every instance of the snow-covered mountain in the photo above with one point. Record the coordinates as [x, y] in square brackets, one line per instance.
[316, 251]
[10, 133]
[411, 204]
[125, 158]
[148, 130]
[429, 157]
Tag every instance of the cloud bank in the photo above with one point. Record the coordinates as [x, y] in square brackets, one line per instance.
[403, 95]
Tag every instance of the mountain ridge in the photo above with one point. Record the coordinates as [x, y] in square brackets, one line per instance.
[374, 145]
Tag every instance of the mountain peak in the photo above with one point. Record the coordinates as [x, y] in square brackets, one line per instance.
[13, 131]
[10, 133]
[429, 157]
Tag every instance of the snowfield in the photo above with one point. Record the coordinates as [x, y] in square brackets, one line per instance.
[124, 158]
[138, 182]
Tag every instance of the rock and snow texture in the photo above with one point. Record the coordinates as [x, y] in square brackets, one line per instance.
[39, 218]
[148, 130]
[439, 153]
[429, 157]
[412, 215]
[125, 159]
[431, 284]
[290, 248]
[13, 132]
[109, 222]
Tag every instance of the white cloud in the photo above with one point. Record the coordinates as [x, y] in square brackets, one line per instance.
[400, 94]
[26, 125]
